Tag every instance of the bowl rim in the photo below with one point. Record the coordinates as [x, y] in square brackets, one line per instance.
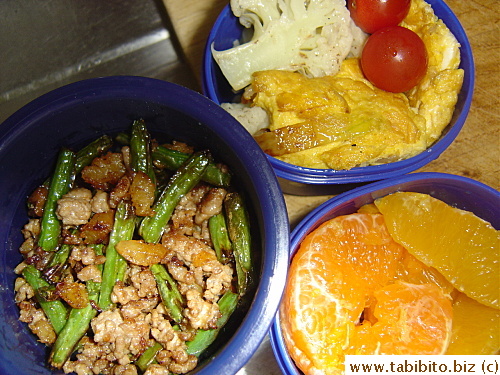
[313, 176]
[374, 190]
[256, 323]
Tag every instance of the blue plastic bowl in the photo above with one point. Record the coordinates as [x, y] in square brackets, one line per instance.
[76, 114]
[308, 181]
[460, 192]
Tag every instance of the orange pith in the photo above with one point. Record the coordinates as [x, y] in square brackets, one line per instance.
[353, 290]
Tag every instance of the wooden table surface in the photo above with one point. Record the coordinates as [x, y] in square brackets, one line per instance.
[476, 151]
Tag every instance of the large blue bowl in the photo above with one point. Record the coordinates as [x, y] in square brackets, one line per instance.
[309, 181]
[74, 115]
[461, 192]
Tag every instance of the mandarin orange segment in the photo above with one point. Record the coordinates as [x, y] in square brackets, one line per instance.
[333, 280]
[369, 208]
[354, 289]
[461, 246]
[311, 327]
[414, 271]
[409, 319]
[361, 242]
[476, 328]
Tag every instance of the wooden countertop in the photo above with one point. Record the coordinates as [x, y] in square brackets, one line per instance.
[475, 153]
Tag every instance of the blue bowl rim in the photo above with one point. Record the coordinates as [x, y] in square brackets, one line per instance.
[255, 325]
[376, 190]
[314, 176]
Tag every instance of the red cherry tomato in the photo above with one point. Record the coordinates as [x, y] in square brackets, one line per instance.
[373, 15]
[394, 59]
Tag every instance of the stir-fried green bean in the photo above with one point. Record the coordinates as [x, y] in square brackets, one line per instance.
[239, 233]
[55, 311]
[140, 150]
[229, 232]
[219, 236]
[88, 153]
[115, 265]
[94, 149]
[148, 357]
[77, 324]
[170, 295]
[173, 159]
[123, 139]
[205, 337]
[185, 179]
[54, 271]
[60, 184]
[74, 329]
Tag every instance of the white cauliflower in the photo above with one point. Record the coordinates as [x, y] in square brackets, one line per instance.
[312, 37]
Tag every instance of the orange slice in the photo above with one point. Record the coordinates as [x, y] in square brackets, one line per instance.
[461, 246]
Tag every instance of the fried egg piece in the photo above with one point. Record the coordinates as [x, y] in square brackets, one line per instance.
[436, 95]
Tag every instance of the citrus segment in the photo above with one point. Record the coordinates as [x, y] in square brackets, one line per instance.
[461, 246]
[369, 208]
[414, 271]
[405, 319]
[476, 328]
[339, 295]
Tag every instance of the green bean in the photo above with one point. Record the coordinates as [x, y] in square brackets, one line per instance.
[85, 156]
[60, 256]
[185, 179]
[219, 236]
[148, 357]
[58, 264]
[140, 150]
[75, 328]
[123, 139]
[173, 159]
[239, 233]
[55, 311]
[78, 322]
[170, 295]
[229, 232]
[203, 338]
[115, 265]
[94, 149]
[99, 250]
[60, 184]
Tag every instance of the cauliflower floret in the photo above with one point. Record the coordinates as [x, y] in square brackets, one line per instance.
[253, 119]
[311, 37]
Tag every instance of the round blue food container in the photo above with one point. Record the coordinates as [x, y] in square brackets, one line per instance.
[308, 181]
[460, 192]
[73, 116]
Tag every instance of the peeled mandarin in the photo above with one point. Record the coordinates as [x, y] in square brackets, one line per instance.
[464, 248]
[343, 297]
